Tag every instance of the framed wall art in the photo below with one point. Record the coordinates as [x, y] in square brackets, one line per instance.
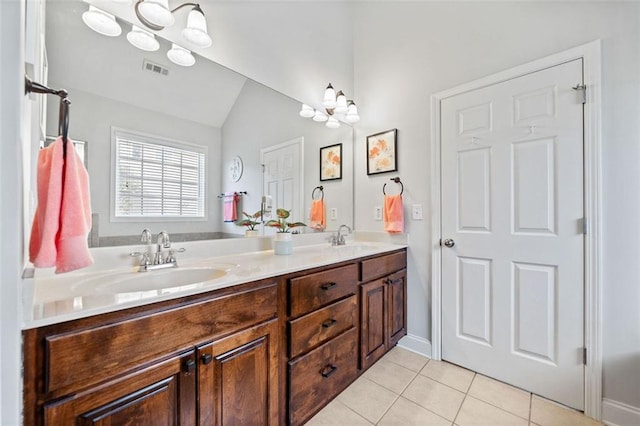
[381, 152]
[331, 162]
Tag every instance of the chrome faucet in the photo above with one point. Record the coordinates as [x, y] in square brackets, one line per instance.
[338, 239]
[160, 261]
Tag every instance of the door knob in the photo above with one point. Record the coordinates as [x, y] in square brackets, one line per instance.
[449, 242]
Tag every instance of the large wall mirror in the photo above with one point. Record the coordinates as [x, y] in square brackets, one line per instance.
[111, 86]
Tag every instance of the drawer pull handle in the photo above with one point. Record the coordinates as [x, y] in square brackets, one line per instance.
[328, 371]
[327, 286]
[207, 358]
[189, 365]
[328, 323]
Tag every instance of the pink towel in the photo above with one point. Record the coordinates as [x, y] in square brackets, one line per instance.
[393, 214]
[317, 216]
[63, 217]
[230, 208]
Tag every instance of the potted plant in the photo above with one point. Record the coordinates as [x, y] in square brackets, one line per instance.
[250, 223]
[282, 243]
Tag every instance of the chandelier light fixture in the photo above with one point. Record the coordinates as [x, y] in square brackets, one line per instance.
[334, 104]
[155, 15]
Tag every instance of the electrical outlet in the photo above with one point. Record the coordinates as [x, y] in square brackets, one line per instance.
[333, 215]
[416, 211]
[377, 213]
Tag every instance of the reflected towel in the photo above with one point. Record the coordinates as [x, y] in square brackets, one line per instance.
[230, 207]
[393, 214]
[317, 216]
[63, 217]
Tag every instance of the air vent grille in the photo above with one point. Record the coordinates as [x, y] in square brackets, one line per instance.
[155, 68]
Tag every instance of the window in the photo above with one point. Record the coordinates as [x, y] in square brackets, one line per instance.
[157, 178]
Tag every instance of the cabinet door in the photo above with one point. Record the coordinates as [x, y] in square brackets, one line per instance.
[373, 325]
[238, 378]
[163, 394]
[397, 296]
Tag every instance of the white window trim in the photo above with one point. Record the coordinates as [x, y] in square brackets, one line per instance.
[174, 143]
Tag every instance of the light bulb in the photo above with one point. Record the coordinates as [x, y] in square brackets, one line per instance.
[143, 39]
[320, 116]
[196, 29]
[329, 97]
[306, 111]
[101, 22]
[180, 56]
[332, 123]
[341, 103]
[157, 12]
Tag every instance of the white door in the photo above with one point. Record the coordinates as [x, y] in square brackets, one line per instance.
[512, 206]
[282, 178]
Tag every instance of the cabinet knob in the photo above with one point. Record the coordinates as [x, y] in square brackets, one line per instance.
[328, 370]
[328, 323]
[190, 365]
[206, 358]
[327, 286]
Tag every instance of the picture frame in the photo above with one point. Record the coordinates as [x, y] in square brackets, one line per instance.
[331, 162]
[382, 152]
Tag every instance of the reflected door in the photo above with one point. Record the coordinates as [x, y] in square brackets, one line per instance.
[282, 178]
[512, 215]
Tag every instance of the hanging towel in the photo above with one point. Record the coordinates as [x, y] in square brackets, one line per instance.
[44, 231]
[63, 217]
[317, 216]
[393, 214]
[230, 207]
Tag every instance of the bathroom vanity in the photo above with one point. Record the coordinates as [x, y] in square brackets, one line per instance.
[271, 350]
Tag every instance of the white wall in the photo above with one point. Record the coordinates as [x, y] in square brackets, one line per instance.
[91, 119]
[404, 52]
[12, 105]
[264, 109]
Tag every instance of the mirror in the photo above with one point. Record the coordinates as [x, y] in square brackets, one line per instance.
[113, 84]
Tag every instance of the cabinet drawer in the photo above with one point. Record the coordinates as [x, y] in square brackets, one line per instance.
[318, 376]
[312, 291]
[93, 355]
[383, 265]
[319, 326]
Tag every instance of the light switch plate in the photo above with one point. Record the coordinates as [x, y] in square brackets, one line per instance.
[377, 213]
[333, 213]
[416, 211]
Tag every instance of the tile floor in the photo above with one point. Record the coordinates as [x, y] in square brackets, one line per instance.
[405, 388]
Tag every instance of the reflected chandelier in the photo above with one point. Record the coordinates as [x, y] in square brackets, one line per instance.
[155, 15]
[334, 104]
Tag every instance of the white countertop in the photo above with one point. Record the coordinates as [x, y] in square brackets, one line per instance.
[51, 299]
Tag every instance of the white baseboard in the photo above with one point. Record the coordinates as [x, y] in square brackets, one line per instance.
[616, 413]
[416, 344]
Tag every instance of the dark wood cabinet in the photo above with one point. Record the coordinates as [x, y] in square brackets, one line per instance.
[159, 395]
[238, 378]
[268, 352]
[383, 312]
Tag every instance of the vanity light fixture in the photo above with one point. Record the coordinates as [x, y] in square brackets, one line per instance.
[333, 104]
[101, 22]
[155, 15]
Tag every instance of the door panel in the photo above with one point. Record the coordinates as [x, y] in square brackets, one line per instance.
[512, 200]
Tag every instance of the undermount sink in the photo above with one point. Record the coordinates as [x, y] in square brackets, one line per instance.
[127, 282]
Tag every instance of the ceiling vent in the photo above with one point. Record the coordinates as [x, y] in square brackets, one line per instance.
[155, 68]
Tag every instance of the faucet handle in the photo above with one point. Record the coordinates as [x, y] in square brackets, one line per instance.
[146, 236]
[144, 258]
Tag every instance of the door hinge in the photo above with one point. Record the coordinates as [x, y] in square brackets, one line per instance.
[584, 356]
[584, 225]
[581, 89]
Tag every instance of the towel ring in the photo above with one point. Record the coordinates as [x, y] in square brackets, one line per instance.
[313, 193]
[396, 180]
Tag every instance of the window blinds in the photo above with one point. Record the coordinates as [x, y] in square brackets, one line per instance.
[155, 179]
